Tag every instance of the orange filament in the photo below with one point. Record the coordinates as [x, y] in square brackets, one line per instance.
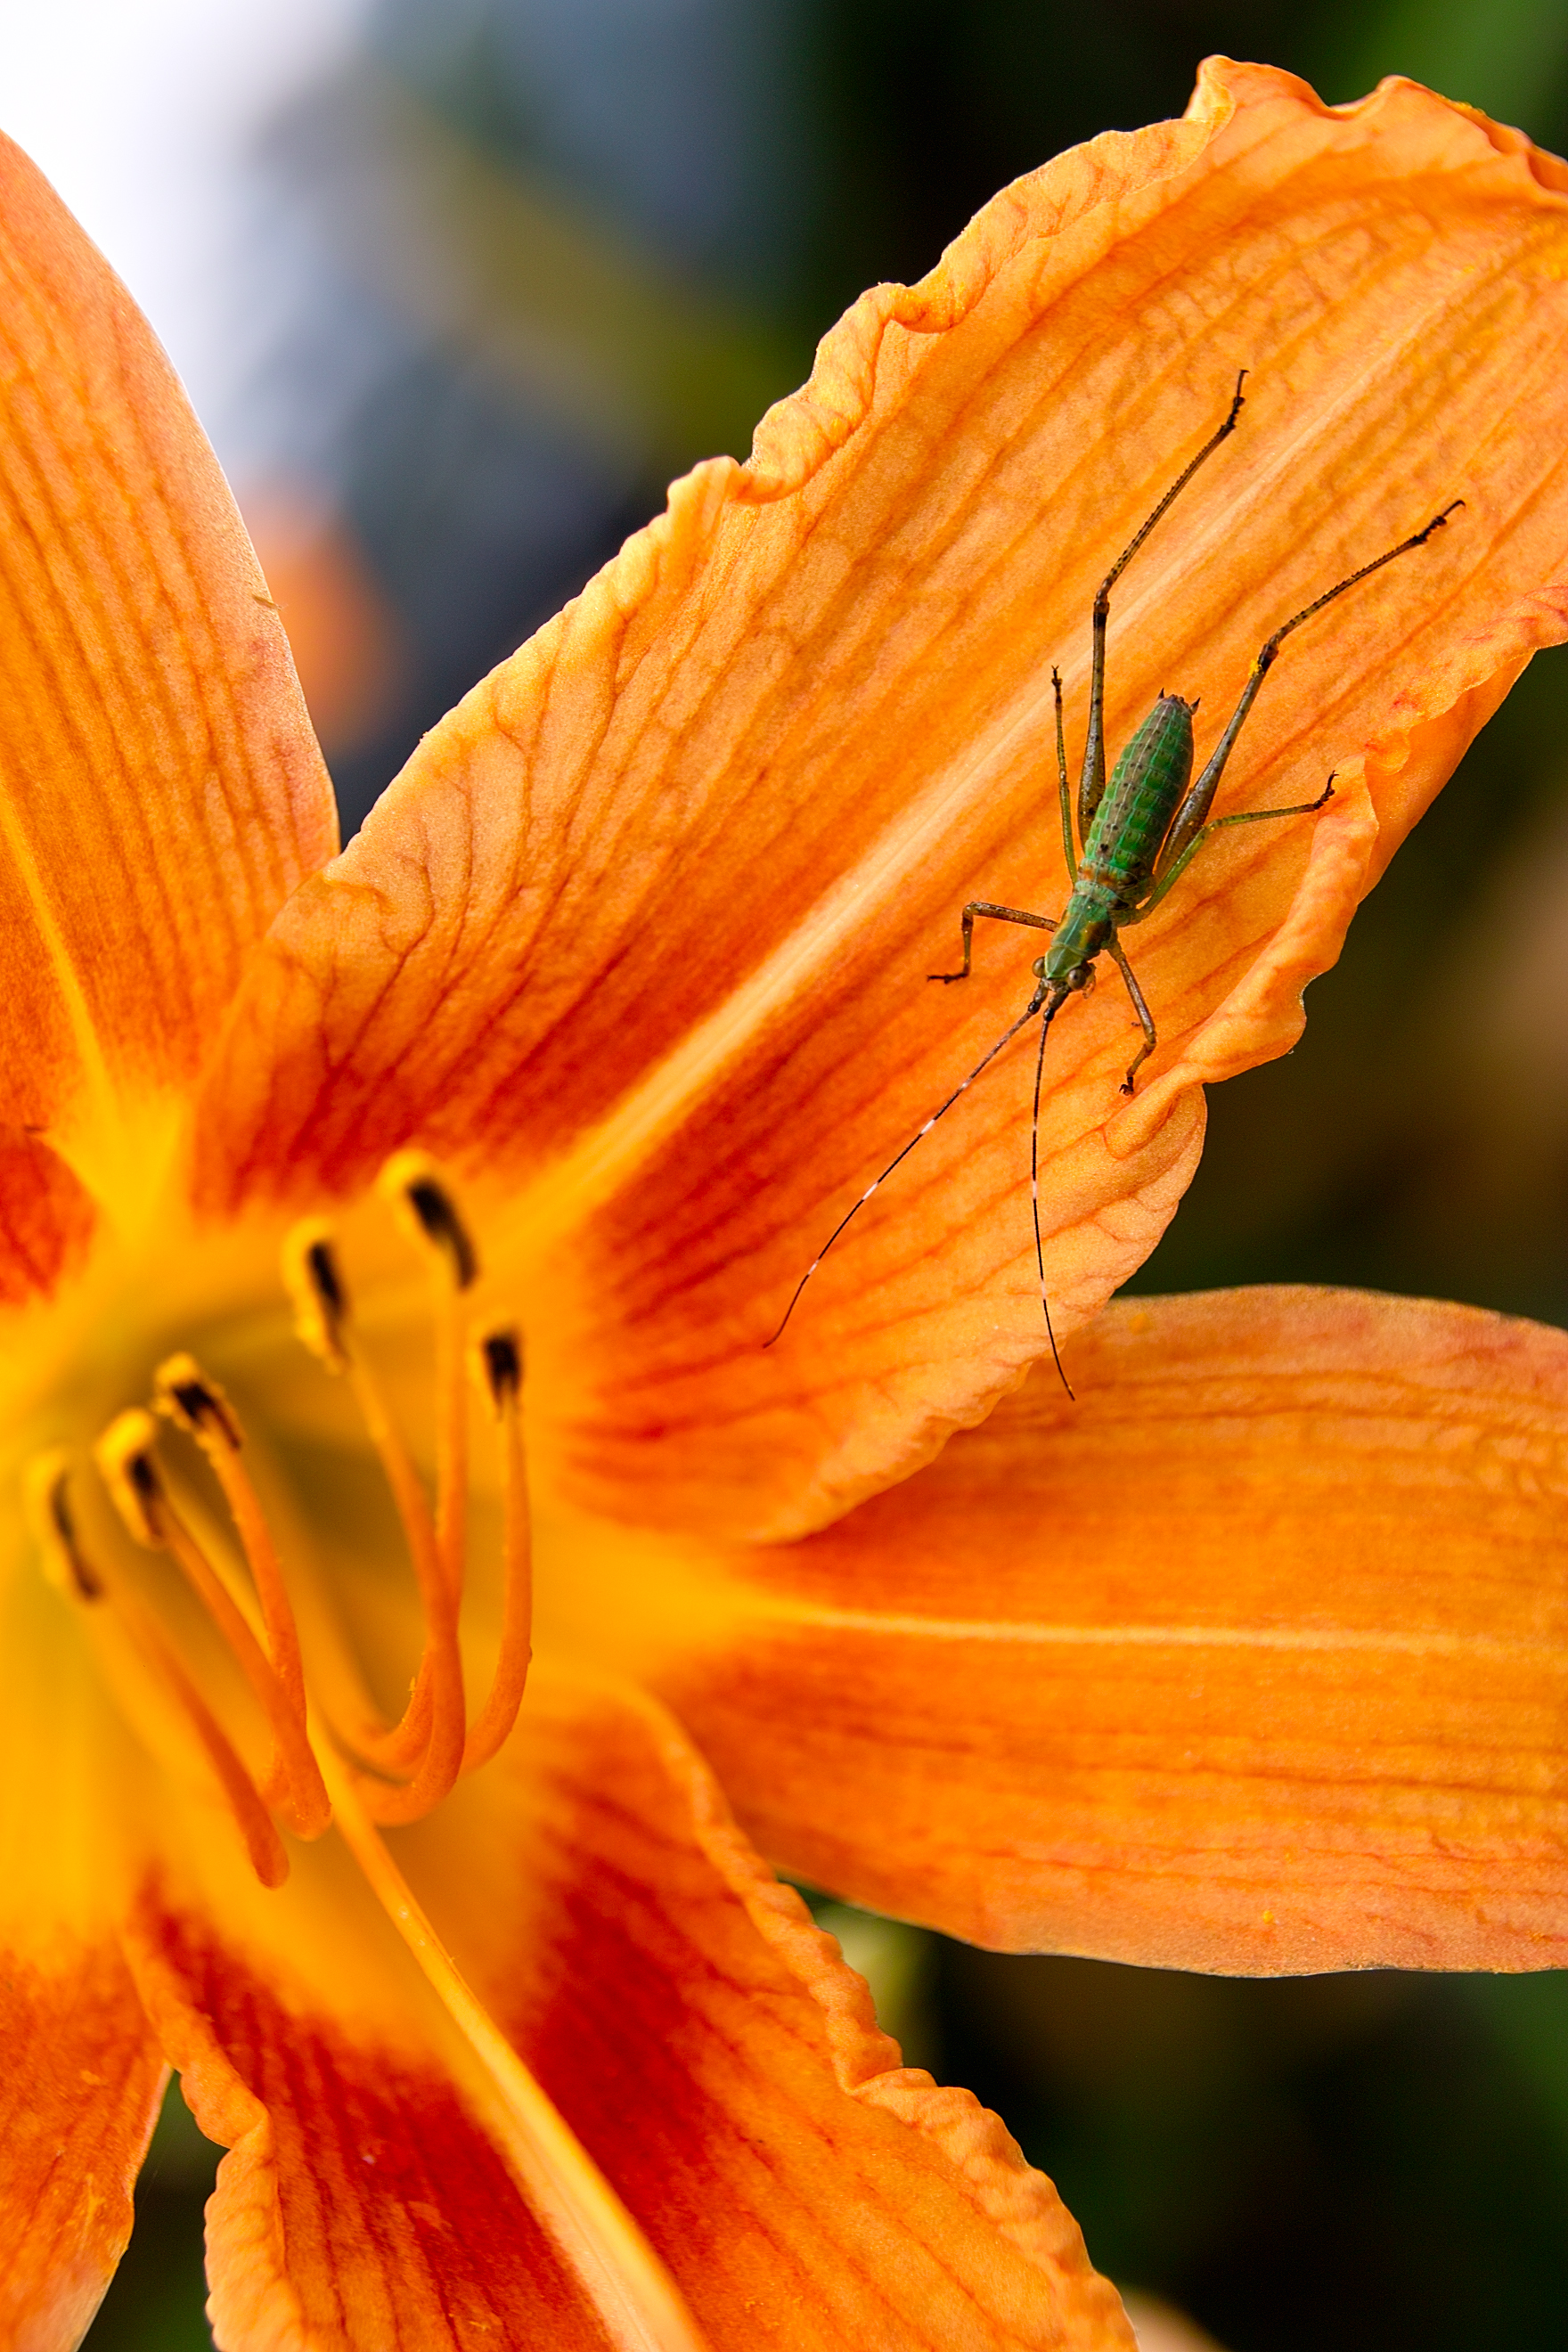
[428, 1214]
[500, 1363]
[451, 1446]
[185, 1395]
[85, 1581]
[126, 1460]
[268, 1857]
[429, 1736]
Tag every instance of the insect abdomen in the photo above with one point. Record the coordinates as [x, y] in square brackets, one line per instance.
[1145, 791]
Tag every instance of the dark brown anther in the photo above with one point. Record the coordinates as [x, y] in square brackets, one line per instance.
[500, 1360]
[205, 1411]
[326, 1280]
[413, 1185]
[443, 1227]
[182, 1392]
[88, 1584]
[315, 1285]
[125, 1457]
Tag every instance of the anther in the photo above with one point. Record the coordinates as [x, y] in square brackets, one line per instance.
[53, 1524]
[183, 1394]
[315, 1285]
[498, 1360]
[124, 1458]
[412, 1183]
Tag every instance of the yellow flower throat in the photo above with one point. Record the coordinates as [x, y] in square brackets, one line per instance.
[234, 1599]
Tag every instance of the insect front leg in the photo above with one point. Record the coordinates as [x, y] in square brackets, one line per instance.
[1069, 849]
[1091, 784]
[997, 915]
[1146, 1019]
[1167, 877]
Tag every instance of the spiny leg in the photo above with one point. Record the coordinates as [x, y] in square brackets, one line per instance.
[1193, 814]
[1039, 998]
[1068, 848]
[1034, 1198]
[1168, 879]
[1146, 1019]
[1091, 785]
[997, 915]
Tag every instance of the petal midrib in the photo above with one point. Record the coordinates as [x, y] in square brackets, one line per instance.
[638, 2301]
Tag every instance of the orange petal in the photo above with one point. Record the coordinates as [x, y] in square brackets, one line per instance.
[644, 931]
[723, 2065]
[159, 790]
[83, 2074]
[79, 2098]
[360, 2205]
[47, 1218]
[371, 2192]
[1255, 1659]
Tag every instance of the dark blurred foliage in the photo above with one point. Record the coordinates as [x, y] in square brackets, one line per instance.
[1375, 2163]
[530, 257]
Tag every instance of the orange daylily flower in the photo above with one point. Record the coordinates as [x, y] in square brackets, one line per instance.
[1256, 1663]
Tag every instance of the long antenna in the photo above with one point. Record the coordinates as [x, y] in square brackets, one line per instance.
[1034, 1194]
[1045, 990]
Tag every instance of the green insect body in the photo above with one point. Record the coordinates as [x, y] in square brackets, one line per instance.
[1147, 787]
[1139, 834]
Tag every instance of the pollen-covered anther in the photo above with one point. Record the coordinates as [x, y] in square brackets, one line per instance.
[419, 1194]
[497, 1364]
[52, 1522]
[185, 1395]
[314, 1280]
[124, 1454]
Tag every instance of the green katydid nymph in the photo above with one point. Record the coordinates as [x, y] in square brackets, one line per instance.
[1139, 834]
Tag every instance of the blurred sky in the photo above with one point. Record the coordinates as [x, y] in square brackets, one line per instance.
[137, 110]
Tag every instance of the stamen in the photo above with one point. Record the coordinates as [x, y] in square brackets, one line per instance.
[425, 1208]
[185, 1395]
[268, 1855]
[67, 1566]
[412, 1185]
[499, 1363]
[429, 1736]
[53, 1525]
[125, 1459]
[314, 1284]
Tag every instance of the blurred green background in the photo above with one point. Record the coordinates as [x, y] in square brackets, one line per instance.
[534, 309]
